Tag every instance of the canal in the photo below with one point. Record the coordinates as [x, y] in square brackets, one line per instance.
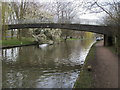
[54, 66]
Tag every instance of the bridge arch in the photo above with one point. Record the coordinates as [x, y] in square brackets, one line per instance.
[77, 27]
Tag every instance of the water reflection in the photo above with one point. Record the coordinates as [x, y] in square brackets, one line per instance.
[10, 54]
[56, 66]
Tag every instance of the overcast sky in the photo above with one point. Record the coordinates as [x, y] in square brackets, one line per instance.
[86, 15]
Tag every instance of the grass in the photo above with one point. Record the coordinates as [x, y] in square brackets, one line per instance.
[15, 41]
[85, 79]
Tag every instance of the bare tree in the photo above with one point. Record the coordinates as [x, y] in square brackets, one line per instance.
[112, 18]
[19, 12]
[4, 18]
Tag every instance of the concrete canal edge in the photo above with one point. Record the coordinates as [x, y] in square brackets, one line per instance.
[85, 78]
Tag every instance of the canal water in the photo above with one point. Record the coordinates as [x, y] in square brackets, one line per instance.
[55, 66]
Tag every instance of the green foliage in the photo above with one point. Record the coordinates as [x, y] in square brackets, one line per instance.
[84, 81]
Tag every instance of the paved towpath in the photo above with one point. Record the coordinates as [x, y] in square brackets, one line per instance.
[105, 68]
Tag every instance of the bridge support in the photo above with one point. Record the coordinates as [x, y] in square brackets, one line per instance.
[108, 40]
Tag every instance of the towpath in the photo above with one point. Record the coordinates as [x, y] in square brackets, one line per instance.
[105, 67]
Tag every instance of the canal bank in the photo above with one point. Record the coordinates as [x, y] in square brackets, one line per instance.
[104, 69]
[85, 79]
[11, 43]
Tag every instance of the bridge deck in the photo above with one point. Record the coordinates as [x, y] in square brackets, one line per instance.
[78, 27]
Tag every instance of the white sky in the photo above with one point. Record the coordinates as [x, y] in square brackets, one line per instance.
[84, 16]
[87, 15]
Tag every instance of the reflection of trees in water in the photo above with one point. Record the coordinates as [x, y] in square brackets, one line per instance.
[21, 79]
[31, 77]
[86, 43]
[63, 53]
[10, 55]
[81, 47]
[37, 62]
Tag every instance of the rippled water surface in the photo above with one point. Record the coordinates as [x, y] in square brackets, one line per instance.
[55, 66]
